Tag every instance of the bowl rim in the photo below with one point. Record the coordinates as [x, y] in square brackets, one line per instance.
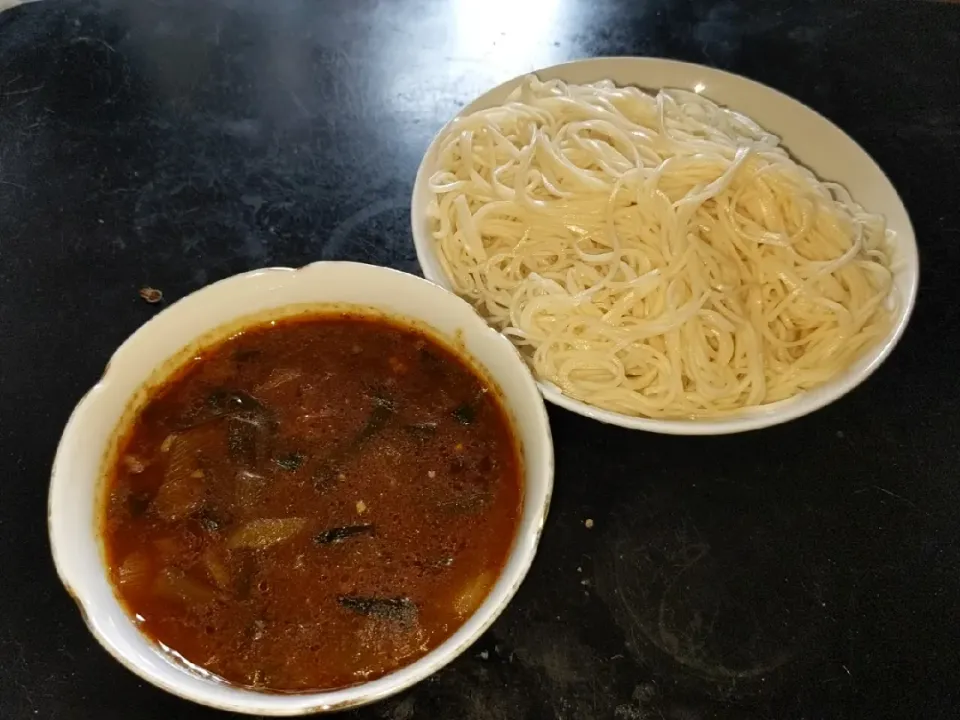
[248, 701]
[750, 418]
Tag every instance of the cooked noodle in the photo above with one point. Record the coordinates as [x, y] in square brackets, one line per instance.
[655, 255]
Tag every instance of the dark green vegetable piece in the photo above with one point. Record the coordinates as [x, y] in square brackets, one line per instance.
[249, 423]
[337, 535]
[230, 404]
[291, 462]
[401, 610]
[210, 524]
[210, 520]
[383, 410]
[138, 502]
[422, 430]
[246, 354]
[433, 363]
[465, 414]
[329, 468]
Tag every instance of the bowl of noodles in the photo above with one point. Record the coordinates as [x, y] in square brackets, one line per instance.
[670, 247]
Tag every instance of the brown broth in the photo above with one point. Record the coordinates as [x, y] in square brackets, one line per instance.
[312, 503]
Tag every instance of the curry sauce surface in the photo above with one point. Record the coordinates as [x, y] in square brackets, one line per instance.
[312, 503]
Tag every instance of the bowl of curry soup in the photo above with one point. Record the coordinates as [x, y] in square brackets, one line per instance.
[298, 491]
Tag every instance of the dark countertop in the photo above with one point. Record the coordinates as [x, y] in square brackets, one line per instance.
[806, 571]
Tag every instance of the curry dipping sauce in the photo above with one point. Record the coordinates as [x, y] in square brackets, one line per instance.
[312, 503]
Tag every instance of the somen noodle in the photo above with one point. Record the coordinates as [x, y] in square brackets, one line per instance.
[655, 255]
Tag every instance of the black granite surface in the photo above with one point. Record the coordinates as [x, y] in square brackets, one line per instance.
[807, 571]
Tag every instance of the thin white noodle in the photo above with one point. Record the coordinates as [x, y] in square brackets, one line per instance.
[656, 255]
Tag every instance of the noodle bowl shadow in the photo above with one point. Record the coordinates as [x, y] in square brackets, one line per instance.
[810, 138]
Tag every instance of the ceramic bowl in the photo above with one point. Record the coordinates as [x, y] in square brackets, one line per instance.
[810, 138]
[76, 489]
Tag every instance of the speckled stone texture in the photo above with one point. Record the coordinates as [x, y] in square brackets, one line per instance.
[807, 571]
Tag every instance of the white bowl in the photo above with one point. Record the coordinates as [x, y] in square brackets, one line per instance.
[811, 139]
[76, 483]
